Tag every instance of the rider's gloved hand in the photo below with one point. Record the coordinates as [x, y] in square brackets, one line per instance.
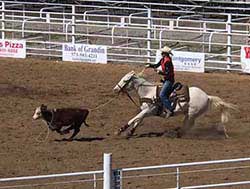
[148, 65]
[159, 72]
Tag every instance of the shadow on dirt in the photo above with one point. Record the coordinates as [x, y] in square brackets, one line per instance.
[209, 133]
[151, 134]
[167, 133]
[83, 139]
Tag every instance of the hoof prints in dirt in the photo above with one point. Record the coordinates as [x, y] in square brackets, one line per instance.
[13, 90]
[26, 92]
[167, 133]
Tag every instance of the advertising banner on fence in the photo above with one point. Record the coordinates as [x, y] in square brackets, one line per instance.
[186, 61]
[13, 48]
[245, 58]
[85, 53]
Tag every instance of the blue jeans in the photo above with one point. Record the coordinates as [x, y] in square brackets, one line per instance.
[165, 93]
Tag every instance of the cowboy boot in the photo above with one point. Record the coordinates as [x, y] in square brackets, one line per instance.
[168, 113]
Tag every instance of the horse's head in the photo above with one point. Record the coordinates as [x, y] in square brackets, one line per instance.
[38, 111]
[126, 83]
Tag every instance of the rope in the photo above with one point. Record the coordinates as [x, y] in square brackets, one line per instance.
[48, 128]
[46, 138]
[104, 104]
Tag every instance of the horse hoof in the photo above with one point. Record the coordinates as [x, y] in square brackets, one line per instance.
[65, 132]
[178, 131]
[130, 133]
[226, 136]
[178, 135]
[117, 133]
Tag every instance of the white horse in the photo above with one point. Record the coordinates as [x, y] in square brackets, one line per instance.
[198, 104]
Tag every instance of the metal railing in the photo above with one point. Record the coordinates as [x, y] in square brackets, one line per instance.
[131, 34]
[183, 169]
[82, 179]
[233, 172]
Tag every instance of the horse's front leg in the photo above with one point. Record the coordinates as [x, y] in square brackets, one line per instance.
[122, 129]
[135, 121]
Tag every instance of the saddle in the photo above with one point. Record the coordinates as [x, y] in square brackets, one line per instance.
[179, 94]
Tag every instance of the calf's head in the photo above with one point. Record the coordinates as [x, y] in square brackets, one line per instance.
[38, 111]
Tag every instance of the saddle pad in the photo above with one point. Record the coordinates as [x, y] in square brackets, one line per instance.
[183, 94]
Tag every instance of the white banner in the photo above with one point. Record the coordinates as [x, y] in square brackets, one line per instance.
[13, 48]
[85, 53]
[245, 58]
[186, 61]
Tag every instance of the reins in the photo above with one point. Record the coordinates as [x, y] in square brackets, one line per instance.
[129, 96]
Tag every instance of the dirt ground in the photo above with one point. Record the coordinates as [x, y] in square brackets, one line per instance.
[25, 150]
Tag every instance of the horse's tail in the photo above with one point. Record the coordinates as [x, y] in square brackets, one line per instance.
[217, 102]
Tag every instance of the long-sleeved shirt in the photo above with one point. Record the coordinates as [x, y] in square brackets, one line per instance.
[167, 68]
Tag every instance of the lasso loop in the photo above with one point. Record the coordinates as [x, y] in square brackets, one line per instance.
[46, 138]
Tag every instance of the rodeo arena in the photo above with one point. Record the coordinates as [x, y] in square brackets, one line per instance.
[80, 94]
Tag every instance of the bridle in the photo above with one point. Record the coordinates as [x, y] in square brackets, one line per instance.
[126, 92]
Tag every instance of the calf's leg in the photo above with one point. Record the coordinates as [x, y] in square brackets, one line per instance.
[76, 131]
[76, 127]
[87, 125]
[66, 131]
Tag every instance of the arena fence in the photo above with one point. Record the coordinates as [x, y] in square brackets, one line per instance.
[132, 31]
[206, 174]
[91, 179]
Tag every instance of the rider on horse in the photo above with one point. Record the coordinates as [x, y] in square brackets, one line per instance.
[168, 78]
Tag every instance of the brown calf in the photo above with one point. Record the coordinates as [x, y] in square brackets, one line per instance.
[72, 118]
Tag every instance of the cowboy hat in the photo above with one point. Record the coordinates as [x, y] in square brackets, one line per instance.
[166, 49]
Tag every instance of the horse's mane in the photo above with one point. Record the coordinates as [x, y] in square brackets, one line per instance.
[141, 74]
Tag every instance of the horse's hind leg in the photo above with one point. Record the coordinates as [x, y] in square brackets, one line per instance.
[188, 123]
[222, 128]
